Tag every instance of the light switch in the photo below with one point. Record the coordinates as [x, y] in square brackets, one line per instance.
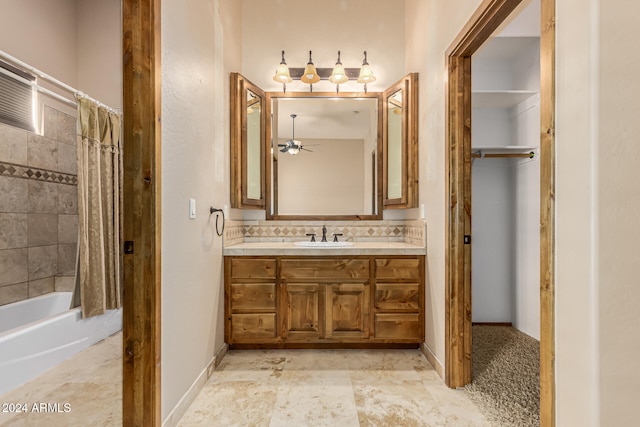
[192, 208]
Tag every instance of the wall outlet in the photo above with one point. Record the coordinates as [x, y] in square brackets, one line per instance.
[192, 208]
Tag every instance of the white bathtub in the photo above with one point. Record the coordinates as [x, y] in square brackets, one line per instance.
[39, 333]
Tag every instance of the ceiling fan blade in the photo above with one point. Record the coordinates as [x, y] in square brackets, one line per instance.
[284, 150]
[282, 145]
[306, 149]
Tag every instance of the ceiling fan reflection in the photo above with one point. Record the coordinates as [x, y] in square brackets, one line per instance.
[293, 146]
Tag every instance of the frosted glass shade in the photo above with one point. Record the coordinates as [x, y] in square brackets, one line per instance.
[282, 74]
[294, 149]
[310, 74]
[338, 75]
[366, 74]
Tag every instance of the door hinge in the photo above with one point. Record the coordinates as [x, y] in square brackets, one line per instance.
[128, 247]
[467, 239]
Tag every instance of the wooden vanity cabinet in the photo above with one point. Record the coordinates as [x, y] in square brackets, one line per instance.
[314, 301]
[398, 298]
[250, 299]
[325, 298]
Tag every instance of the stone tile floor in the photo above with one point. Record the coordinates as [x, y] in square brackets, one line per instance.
[385, 388]
[337, 388]
[90, 383]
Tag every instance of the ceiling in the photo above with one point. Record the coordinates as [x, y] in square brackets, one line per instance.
[519, 33]
[326, 118]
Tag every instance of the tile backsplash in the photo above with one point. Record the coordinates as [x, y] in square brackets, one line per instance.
[38, 208]
[357, 231]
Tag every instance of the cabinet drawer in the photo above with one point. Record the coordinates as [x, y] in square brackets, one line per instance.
[398, 268]
[397, 296]
[253, 296]
[397, 326]
[252, 326]
[325, 269]
[253, 268]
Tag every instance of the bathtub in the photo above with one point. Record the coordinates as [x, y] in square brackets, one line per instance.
[39, 333]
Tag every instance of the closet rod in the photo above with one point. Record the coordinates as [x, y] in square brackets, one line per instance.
[529, 155]
[26, 67]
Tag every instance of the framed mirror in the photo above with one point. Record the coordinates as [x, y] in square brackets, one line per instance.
[324, 156]
[247, 144]
[400, 144]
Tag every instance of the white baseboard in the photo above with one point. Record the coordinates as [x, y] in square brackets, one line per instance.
[187, 399]
[431, 357]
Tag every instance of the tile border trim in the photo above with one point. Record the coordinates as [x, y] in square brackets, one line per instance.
[27, 172]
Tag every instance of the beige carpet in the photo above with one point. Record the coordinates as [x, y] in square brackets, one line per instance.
[506, 376]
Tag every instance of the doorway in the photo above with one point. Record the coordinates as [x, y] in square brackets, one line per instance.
[458, 310]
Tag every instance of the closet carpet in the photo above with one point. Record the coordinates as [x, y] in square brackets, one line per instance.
[506, 376]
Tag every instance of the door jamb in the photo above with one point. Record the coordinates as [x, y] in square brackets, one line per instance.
[141, 213]
[485, 20]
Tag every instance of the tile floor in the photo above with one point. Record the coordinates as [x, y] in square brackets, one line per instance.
[90, 383]
[337, 388]
[384, 388]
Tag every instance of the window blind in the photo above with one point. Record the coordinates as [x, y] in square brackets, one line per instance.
[16, 97]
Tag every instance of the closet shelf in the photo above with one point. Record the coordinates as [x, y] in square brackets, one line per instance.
[506, 151]
[499, 98]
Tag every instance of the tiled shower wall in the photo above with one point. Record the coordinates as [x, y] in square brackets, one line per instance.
[38, 208]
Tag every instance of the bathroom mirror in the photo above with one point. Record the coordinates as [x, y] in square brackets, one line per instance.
[324, 160]
[305, 155]
[247, 144]
[400, 144]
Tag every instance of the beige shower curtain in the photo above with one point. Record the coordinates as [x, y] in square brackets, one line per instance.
[99, 196]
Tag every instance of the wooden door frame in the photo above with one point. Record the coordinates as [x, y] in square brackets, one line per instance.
[141, 213]
[486, 19]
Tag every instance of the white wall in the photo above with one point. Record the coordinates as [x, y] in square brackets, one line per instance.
[99, 46]
[42, 33]
[351, 26]
[200, 46]
[307, 180]
[526, 218]
[598, 206]
[618, 176]
[492, 240]
[78, 42]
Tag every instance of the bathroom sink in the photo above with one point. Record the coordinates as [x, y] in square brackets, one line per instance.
[323, 244]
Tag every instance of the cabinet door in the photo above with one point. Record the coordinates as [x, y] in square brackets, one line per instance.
[347, 311]
[304, 309]
[400, 144]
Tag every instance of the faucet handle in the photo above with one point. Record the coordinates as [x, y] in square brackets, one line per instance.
[313, 236]
[335, 236]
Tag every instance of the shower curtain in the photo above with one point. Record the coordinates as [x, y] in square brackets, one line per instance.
[99, 197]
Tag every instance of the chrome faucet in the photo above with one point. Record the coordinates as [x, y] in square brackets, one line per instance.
[324, 234]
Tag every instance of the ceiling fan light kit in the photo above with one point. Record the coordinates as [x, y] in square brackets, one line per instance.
[293, 146]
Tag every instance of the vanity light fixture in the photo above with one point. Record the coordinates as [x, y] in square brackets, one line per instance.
[310, 74]
[282, 74]
[336, 75]
[366, 73]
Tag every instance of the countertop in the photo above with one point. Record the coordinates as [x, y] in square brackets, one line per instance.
[288, 249]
